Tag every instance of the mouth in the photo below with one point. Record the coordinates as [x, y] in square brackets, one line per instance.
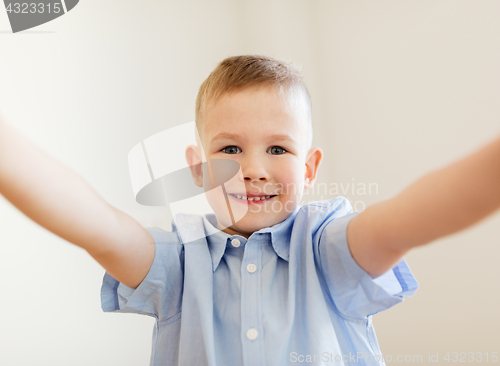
[254, 200]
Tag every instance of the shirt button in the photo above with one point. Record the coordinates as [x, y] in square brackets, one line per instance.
[236, 243]
[251, 268]
[252, 334]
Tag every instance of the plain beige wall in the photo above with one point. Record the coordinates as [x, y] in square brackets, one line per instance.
[398, 88]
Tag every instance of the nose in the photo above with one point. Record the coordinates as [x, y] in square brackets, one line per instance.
[254, 168]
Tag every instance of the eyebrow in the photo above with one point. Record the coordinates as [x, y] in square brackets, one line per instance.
[230, 136]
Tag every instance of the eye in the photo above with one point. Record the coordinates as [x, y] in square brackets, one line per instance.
[231, 149]
[277, 150]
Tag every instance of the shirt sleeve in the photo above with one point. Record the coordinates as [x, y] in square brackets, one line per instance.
[160, 293]
[354, 292]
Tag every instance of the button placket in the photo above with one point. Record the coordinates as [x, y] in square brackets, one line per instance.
[251, 304]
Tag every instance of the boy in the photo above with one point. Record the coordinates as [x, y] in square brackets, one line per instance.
[276, 286]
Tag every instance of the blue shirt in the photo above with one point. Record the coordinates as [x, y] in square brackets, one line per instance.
[289, 294]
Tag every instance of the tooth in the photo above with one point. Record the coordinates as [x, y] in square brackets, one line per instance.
[257, 198]
[250, 198]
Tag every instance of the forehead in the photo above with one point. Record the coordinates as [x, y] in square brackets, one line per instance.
[255, 112]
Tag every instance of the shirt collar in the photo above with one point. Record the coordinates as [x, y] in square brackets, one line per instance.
[280, 234]
[216, 239]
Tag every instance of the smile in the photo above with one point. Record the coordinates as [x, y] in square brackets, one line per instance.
[252, 200]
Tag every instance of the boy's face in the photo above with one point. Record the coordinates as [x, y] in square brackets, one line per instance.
[269, 140]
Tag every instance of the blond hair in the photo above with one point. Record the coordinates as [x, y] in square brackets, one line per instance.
[240, 72]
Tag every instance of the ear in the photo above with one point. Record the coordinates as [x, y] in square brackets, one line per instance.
[193, 158]
[313, 160]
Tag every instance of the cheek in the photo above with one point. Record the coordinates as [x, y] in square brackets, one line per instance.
[291, 179]
[227, 211]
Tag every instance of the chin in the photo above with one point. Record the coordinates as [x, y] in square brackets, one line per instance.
[251, 225]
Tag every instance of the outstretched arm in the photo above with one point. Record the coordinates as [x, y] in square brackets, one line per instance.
[440, 203]
[58, 199]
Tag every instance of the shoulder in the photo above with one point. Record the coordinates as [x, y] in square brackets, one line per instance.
[318, 214]
[163, 236]
[166, 241]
